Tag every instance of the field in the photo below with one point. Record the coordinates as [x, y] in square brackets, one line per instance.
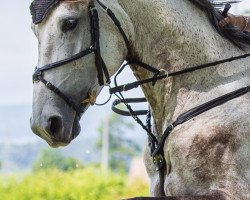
[83, 184]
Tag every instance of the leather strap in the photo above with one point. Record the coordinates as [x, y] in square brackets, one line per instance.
[194, 112]
[68, 100]
[117, 23]
[77, 56]
[135, 84]
[130, 100]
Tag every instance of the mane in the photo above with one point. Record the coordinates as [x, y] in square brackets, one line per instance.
[231, 33]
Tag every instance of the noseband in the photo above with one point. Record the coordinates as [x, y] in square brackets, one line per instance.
[93, 48]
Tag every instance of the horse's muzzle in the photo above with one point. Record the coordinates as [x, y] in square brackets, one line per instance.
[57, 130]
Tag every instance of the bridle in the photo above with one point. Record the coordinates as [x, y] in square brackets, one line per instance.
[156, 145]
[93, 48]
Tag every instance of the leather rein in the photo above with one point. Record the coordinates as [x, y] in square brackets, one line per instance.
[156, 145]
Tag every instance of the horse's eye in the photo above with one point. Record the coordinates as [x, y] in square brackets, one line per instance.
[69, 25]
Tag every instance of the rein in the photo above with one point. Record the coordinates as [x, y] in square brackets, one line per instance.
[158, 75]
[156, 145]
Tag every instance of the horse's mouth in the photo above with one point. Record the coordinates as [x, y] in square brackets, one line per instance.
[58, 144]
[65, 141]
[52, 141]
[62, 138]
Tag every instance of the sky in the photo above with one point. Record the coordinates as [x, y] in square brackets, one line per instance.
[241, 7]
[18, 53]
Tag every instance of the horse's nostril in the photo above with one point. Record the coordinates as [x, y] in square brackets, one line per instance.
[55, 126]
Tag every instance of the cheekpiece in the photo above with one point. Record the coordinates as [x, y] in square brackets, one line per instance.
[40, 8]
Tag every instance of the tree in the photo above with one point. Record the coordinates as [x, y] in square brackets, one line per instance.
[247, 12]
[121, 148]
[54, 159]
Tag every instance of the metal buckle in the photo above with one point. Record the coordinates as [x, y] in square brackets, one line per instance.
[159, 162]
[49, 84]
[172, 127]
[160, 73]
[92, 48]
[36, 75]
[163, 72]
[124, 87]
[91, 9]
[107, 84]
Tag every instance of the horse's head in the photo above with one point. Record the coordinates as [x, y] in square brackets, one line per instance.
[70, 63]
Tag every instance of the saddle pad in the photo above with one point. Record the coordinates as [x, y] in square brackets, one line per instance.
[40, 8]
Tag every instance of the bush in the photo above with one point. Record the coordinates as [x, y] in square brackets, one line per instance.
[82, 184]
[50, 158]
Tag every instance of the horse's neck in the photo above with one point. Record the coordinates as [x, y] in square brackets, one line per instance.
[173, 35]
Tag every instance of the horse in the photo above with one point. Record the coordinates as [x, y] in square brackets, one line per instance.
[206, 157]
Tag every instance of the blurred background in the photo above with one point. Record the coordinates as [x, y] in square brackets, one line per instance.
[86, 169]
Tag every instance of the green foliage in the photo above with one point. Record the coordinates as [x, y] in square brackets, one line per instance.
[247, 12]
[121, 148]
[50, 158]
[84, 184]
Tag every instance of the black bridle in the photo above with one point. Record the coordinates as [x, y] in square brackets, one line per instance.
[156, 145]
[93, 48]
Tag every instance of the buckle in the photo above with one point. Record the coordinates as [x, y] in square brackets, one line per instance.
[161, 72]
[36, 76]
[91, 9]
[49, 84]
[92, 48]
[159, 162]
